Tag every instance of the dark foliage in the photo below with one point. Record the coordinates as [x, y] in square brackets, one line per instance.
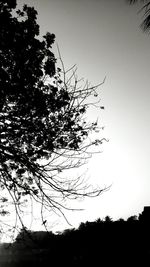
[42, 130]
[146, 8]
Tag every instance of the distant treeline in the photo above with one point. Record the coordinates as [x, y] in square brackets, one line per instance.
[100, 243]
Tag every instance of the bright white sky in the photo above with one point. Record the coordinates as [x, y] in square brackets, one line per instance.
[103, 38]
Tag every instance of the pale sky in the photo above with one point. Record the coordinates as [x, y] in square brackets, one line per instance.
[104, 39]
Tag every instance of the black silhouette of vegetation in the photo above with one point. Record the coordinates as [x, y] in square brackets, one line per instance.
[43, 129]
[100, 243]
[145, 25]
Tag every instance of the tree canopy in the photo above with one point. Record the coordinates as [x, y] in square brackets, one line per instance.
[43, 130]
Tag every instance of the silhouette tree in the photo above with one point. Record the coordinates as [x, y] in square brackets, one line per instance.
[146, 8]
[108, 219]
[43, 130]
[132, 219]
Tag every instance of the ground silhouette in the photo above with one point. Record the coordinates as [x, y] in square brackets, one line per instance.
[99, 243]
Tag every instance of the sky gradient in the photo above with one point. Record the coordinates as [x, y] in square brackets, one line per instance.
[104, 39]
